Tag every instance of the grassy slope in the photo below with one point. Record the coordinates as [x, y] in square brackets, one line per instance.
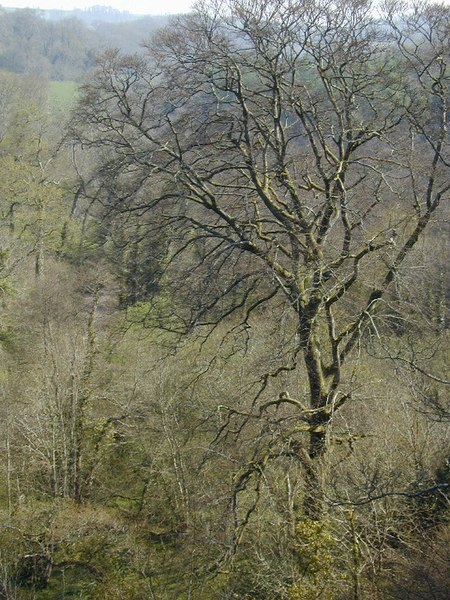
[62, 95]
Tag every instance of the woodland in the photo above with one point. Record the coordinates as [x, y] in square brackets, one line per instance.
[224, 303]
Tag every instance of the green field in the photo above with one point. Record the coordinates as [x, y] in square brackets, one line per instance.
[62, 95]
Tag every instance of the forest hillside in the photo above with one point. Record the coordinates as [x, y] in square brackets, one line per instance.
[224, 303]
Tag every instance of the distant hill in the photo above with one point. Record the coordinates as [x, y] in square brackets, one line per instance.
[91, 15]
[62, 45]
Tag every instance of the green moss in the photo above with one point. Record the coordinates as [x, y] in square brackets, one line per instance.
[314, 551]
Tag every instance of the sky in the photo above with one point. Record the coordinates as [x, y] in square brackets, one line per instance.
[147, 7]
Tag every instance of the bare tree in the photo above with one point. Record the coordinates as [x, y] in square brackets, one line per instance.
[298, 151]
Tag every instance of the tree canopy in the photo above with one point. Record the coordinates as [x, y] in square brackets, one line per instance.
[302, 148]
[224, 307]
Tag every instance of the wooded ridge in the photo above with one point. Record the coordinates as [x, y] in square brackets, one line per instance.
[224, 304]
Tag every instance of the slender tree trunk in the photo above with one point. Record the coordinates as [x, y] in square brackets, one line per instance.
[8, 471]
[356, 551]
[80, 398]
